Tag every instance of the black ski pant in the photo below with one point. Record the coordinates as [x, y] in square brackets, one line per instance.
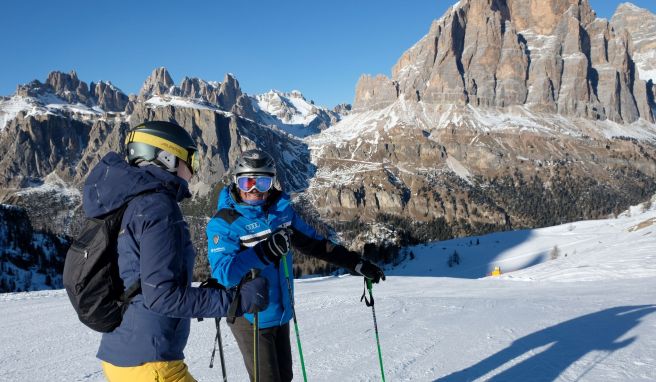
[275, 350]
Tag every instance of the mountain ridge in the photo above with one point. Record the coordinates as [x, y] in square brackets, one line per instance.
[411, 161]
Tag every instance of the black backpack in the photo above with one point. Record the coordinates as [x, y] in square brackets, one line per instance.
[91, 275]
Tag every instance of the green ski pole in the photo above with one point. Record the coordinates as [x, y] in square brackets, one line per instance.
[373, 311]
[291, 300]
[256, 348]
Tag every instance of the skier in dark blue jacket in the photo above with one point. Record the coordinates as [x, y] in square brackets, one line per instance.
[155, 249]
[255, 226]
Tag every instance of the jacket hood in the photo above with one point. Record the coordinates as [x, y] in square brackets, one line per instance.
[113, 182]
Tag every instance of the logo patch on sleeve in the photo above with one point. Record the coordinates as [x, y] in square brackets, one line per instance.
[215, 239]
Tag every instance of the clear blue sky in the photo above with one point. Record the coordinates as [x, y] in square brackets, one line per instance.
[318, 47]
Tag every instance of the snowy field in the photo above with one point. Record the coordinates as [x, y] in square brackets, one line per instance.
[588, 314]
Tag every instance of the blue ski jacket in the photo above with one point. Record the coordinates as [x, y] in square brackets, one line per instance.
[236, 228]
[154, 246]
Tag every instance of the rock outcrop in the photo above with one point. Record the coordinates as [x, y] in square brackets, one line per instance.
[551, 56]
[158, 83]
[108, 97]
[198, 89]
[374, 93]
[641, 25]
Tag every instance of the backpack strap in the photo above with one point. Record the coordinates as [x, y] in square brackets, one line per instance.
[227, 214]
[129, 294]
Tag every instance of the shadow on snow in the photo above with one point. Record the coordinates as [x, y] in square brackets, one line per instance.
[567, 343]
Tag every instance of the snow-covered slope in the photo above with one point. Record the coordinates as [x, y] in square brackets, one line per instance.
[587, 316]
[43, 104]
[616, 248]
[292, 113]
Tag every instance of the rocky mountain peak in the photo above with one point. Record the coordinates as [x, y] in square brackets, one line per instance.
[229, 92]
[550, 56]
[628, 8]
[108, 97]
[544, 17]
[159, 82]
[62, 82]
[69, 87]
[198, 89]
[343, 109]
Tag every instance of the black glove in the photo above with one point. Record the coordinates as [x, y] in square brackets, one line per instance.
[370, 270]
[254, 296]
[274, 247]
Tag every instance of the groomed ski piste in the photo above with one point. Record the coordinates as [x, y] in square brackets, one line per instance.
[583, 312]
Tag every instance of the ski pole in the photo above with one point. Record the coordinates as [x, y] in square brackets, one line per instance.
[213, 283]
[370, 303]
[220, 343]
[256, 334]
[291, 300]
[256, 347]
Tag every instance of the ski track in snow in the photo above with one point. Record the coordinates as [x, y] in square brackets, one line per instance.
[590, 316]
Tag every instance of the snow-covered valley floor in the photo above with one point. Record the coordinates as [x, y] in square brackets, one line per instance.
[587, 316]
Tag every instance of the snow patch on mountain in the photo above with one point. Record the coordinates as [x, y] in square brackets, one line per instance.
[646, 65]
[369, 125]
[291, 108]
[52, 183]
[165, 100]
[47, 103]
[292, 113]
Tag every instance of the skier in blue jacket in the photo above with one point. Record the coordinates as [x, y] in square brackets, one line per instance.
[155, 250]
[255, 226]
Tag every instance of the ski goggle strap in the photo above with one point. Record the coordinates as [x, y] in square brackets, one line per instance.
[188, 155]
[262, 183]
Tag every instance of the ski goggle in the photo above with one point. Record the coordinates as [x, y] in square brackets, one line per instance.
[262, 183]
[194, 163]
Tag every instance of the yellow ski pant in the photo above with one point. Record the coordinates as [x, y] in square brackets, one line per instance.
[164, 371]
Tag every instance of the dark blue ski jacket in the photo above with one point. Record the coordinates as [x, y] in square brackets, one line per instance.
[154, 246]
[236, 228]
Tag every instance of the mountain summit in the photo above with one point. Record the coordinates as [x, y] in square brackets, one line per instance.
[551, 56]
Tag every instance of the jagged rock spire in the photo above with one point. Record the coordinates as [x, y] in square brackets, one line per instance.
[159, 82]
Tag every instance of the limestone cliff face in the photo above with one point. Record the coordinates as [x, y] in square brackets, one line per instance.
[34, 146]
[553, 56]
[641, 25]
